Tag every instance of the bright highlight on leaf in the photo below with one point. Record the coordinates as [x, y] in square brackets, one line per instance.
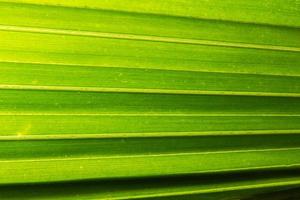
[134, 99]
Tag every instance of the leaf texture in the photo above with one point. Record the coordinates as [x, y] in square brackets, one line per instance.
[154, 99]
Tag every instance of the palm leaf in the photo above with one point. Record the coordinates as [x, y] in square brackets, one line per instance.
[149, 99]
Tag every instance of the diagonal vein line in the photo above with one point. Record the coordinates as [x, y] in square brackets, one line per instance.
[154, 155]
[146, 38]
[70, 136]
[146, 90]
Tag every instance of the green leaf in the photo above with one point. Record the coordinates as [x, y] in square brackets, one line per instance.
[149, 99]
